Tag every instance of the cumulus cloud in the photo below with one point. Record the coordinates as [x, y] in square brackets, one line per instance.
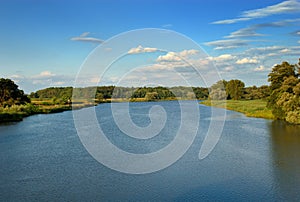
[85, 38]
[175, 57]
[170, 56]
[290, 6]
[141, 49]
[247, 61]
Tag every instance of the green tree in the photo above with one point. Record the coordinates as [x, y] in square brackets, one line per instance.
[235, 89]
[218, 91]
[151, 96]
[10, 94]
[285, 88]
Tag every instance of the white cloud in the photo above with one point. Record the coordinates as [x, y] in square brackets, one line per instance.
[84, 38]
[44, 74]
[285, 50]
[228, 68]
[175, 57]
[247, 61]
[245, 32]
[260, 68]
[227, 44]
[231, 21]
[186, 53]
[167, 25]
[290, 6]
[170, 56]
[141, 49]
[283, 7]
[223, 57]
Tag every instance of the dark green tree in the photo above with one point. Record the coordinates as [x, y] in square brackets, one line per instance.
[284, 99]
[10, 94]
[235, 89]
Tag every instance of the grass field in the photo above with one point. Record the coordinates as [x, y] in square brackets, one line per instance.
[251, 108]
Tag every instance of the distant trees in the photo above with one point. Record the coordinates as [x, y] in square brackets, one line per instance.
[236, 90]
[10, 94]
[254, 93]
[63, 94]
[285, 92]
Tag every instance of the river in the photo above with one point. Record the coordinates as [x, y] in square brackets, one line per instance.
[43, 159]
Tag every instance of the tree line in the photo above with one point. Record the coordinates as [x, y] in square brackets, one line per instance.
[282, 95]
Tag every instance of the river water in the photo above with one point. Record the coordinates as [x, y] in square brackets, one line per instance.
[43, 159]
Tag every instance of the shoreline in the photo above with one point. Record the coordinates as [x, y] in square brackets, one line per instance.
[7, 117]
[250, 108]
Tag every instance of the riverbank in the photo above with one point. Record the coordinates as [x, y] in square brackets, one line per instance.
[18, 112]
[47, 106]
[251, 108]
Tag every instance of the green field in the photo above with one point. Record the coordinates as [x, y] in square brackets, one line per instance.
[251, 108]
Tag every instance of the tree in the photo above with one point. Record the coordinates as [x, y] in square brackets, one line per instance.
[285, 92]
[151, 96]
[235, 89]
[218, 91]
[10, 94]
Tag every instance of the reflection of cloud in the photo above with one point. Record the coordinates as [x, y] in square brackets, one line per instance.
[84, 38]
[141, 49]
[290, 6]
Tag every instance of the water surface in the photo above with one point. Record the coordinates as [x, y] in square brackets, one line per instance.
[42, 159]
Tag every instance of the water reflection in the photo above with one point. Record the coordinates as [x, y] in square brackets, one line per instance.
[285, 149]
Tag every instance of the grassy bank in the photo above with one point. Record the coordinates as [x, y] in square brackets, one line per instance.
[251, 108]
[18, 112]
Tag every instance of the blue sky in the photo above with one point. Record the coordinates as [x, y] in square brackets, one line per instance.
[44, 43]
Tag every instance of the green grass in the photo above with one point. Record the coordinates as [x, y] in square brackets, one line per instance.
[18, 112]
[251, 108]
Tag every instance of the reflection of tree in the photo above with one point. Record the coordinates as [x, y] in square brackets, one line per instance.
[285, 149]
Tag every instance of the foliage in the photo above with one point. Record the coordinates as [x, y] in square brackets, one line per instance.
[285, 92]
[218, 91]
[254, 93]
[10, 94]
[235, 89]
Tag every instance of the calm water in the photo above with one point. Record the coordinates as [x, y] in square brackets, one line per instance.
[42, 159]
